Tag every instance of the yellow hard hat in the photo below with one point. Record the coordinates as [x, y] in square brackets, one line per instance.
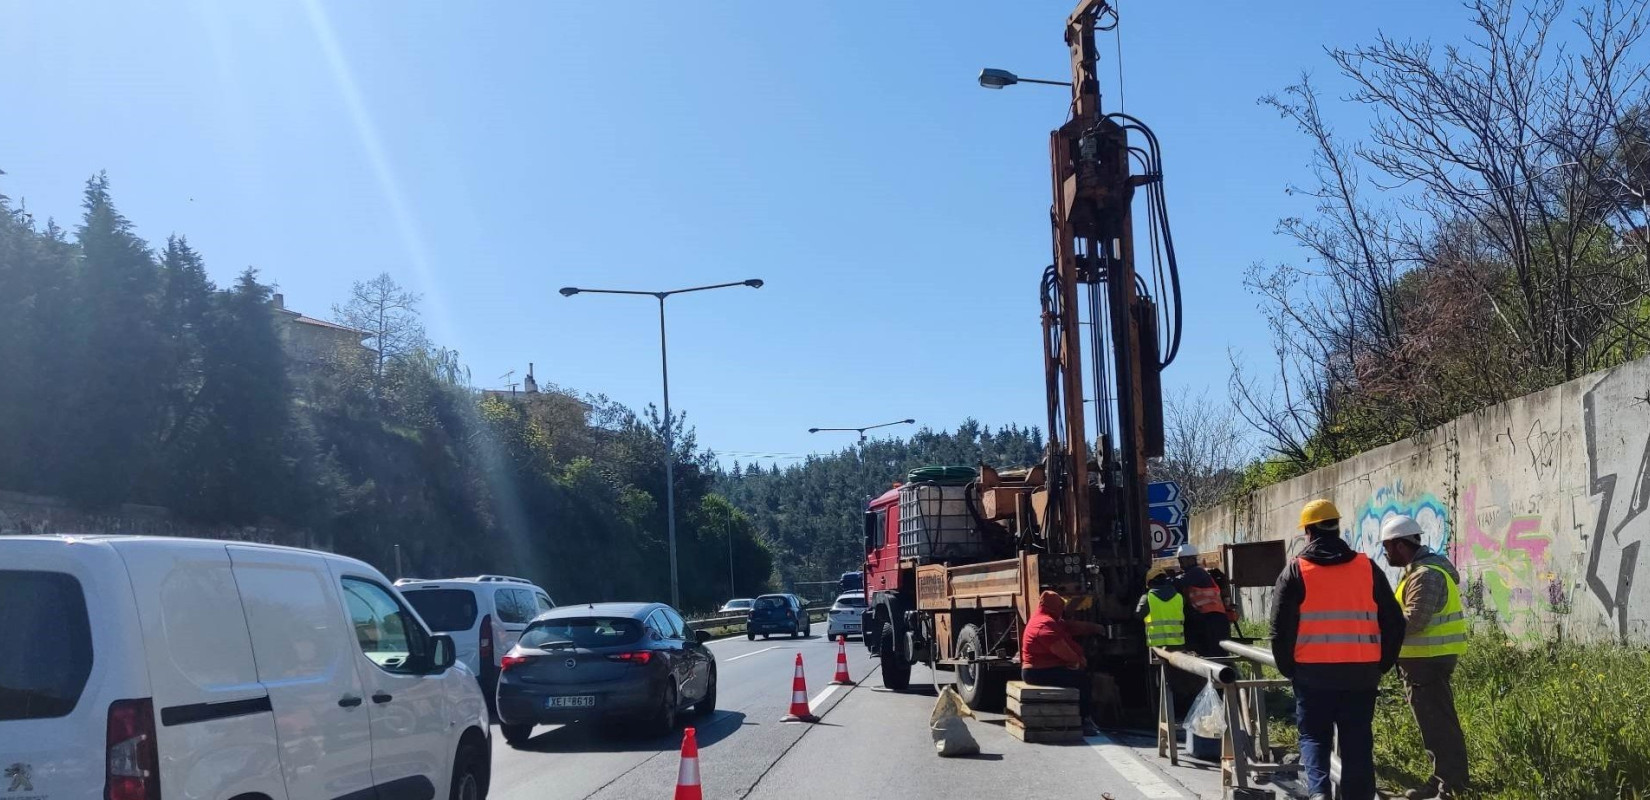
[1154, 573]
[1319, 511]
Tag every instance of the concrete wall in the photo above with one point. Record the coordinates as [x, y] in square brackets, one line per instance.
[1539, 500]
[25, 514]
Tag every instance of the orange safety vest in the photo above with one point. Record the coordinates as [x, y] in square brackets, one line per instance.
[1338, 623]
[1205, 599]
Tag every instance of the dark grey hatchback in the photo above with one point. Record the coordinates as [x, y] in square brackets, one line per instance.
[605, 662]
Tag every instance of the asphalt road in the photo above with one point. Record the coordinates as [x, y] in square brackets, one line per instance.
[870, 742]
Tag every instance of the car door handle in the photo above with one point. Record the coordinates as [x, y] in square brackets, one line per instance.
[381, 697]
[349, 701]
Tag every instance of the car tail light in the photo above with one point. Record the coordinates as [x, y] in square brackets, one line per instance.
[133, 767]
[487, 641]
[513, 661]
[637, 657]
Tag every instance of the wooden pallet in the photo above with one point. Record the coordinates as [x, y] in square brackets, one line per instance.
[1018, 730]
[1028, 693]
[1029, 711]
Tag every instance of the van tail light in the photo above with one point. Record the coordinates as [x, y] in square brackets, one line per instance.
[133, 766]
[512, 661]
[637, 657]
[487, 641]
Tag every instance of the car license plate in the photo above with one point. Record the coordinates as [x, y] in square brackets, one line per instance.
[576, 701]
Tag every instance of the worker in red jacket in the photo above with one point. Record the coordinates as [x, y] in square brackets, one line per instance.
[1051, 656]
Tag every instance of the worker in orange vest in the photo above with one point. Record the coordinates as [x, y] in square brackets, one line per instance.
[1336, 629]
[1207, 624]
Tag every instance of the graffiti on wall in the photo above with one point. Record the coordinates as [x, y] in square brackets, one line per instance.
[1505, 559]
[1389, 501]
[1617, 419]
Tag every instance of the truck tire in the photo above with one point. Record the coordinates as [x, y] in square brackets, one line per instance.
[896, 671]
[981, 688]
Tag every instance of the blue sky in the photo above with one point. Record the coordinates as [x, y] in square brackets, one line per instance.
[486, 154]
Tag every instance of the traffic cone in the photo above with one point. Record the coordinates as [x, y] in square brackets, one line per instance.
[799, 697]
[687, 775]
[841, 678]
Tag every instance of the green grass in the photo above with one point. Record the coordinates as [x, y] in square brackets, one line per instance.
[1559, 720]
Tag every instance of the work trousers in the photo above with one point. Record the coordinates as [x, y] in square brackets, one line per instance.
[1069, 678]
[1205, 632]
[1322, 715]
[1427, 687]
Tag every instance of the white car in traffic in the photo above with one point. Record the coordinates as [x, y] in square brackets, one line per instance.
[142, 667]
[844, 616]
[485, 615]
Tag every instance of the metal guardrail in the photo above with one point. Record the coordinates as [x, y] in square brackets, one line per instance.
[1245, 747]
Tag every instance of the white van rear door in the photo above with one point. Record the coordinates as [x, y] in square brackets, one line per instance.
[304, 651]
[70, 648]
[214, 731]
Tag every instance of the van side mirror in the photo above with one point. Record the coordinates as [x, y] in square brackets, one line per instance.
[442, 652]
[701, 636]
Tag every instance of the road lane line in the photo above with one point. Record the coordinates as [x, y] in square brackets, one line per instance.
[752, 653]
[819, 699]
[1133, 769]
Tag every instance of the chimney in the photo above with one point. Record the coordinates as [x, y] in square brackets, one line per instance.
[280, 301]
[530, 385]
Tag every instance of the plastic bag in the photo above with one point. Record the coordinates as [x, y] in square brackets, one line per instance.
[1208, 715]
[951, 736]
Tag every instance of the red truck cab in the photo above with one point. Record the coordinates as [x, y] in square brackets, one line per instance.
[882, 544]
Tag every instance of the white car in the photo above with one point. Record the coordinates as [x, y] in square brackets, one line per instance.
[137, 667]
[844, 616]
[485, 615]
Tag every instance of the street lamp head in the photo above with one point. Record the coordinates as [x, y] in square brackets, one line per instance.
[997, 78]
[754, 283]
[813, 430]
[569, 291]
[909, 421]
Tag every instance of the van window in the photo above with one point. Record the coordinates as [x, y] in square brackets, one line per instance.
[510, 610]
[444, 610]
[389, 636]
[294, 622]
[47, 654]
[543, 602]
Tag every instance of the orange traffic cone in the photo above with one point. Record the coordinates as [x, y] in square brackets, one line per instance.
[799, 698]
[841, 678]
[687, 775]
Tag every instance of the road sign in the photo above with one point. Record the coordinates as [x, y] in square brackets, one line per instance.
[1167, 511]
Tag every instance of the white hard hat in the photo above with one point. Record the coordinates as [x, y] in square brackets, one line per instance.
[1400, 527]
[1186, 551]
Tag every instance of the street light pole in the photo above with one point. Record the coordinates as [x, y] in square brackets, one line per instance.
[669, 432]
[861, 431]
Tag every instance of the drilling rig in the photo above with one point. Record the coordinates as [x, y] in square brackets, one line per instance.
[954, 571]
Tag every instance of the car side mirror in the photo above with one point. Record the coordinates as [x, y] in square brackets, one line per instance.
[442, 652]
[701, 636]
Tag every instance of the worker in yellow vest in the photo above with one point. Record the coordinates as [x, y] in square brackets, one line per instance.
[1163, 609]
[1435, 636]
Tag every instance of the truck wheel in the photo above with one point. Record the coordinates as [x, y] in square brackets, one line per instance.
[981, 687]
[896, 671]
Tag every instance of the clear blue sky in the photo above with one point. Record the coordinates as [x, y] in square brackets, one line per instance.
[486, 154]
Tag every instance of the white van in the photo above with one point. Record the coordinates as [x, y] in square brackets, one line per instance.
[485, 615]
[133, 668]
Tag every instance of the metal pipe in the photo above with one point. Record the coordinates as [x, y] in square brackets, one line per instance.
[1222, 674]
[1250, 652]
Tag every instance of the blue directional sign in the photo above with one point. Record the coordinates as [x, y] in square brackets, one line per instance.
[1167, 511]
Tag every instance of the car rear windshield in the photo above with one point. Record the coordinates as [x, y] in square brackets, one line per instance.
[48, 644]
[444, 609]
[589, 632]
[772, 601]
[850, 602]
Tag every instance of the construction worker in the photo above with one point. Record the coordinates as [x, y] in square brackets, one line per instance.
[1210, 626]
[1051, 656]
[1435, 636]
[1163, 610]
[1336, 629]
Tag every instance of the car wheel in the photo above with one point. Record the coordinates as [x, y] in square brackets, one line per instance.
[514, 735]
[896, 671]
[750, 637]
[707, 704]
[469, 777]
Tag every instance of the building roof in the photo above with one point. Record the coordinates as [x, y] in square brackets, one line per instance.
[321, 323]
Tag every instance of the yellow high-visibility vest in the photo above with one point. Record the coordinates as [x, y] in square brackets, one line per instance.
[1447, 635]
[1165, 621]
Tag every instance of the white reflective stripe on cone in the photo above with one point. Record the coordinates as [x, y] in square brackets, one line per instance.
[688, 774]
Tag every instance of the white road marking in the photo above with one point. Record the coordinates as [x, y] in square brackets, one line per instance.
[752, 653]
[819, 699]
[1133, 769]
